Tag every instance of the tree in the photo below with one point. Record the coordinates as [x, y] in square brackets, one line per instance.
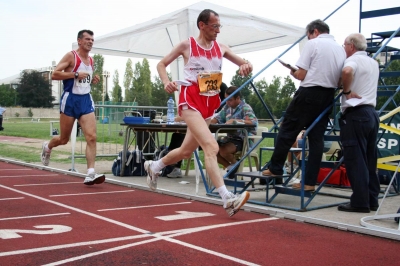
[97, 89]
[393, 66]
[141, 85]
[271, 97]
[256, 103]
[8, 95]
[159, 95]
[286, 94]
[238, 81]
[34, 90]
[128, 77]
[116, 94]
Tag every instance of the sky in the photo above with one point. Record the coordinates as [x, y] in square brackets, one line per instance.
[35, 33]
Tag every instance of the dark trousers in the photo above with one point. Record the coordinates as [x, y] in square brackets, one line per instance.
[1, 122]
[358, 132]
[307, 104]
[176, 142]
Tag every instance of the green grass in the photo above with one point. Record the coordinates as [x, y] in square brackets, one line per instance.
[31, 154]
[108, 133]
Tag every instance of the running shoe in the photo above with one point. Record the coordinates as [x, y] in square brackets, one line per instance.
[45, 156]
[94, 178]
[175, 173]
[152, 177]
[233, 205]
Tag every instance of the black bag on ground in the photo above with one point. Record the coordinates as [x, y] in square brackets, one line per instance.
[158, 154]
[134, 165]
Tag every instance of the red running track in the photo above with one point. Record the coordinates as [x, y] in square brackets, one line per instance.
[48, 218]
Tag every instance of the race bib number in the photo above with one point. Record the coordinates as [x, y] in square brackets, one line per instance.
[84, 82]
[209, 83]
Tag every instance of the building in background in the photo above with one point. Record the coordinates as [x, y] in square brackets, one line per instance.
[56, 85]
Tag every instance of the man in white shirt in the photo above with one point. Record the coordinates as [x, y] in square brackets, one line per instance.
[320, 66]
[359, 125]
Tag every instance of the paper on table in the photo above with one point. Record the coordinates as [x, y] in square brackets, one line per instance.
[288, 65]
[183, 82]
[354, 101]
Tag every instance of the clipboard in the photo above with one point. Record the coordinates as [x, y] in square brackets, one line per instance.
[293, 68]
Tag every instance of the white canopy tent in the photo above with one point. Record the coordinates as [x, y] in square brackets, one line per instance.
[154, 39]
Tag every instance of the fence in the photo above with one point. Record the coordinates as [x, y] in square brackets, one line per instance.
[110, 133]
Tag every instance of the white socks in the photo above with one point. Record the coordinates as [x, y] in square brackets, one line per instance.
[224, 193]
[156, 166]
[90, 170]
[47, 148]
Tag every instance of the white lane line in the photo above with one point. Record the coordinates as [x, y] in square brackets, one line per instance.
[147, 206]
[12, 198]
[181, 232]
[93, 193]
[47, 184]
[95, 242]
[137, 229]
[34, 216]
[16, 169]
[101, 252]
[27, 175]
[157, 237]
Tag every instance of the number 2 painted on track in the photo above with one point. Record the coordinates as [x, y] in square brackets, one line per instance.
[54, 229]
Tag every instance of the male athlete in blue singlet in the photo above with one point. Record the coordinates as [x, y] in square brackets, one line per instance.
[76, 71]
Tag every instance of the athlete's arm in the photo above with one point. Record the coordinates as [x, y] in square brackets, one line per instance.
[63, 68]
[181, 49]
[245, 67]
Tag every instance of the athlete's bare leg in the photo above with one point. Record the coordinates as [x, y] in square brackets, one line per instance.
[66, 124]
[88, 124]
[198, 128]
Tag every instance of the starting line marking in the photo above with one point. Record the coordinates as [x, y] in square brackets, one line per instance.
[94, 193]
[148, 206]
[34, 216]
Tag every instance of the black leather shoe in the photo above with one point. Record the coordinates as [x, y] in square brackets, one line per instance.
[348, 208]
[373, 208]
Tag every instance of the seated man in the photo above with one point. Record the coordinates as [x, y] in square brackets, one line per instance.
[235, 111]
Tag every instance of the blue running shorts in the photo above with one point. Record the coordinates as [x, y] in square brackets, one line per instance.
[76, 105]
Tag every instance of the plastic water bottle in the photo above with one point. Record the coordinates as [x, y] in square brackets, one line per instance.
[171, 111]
